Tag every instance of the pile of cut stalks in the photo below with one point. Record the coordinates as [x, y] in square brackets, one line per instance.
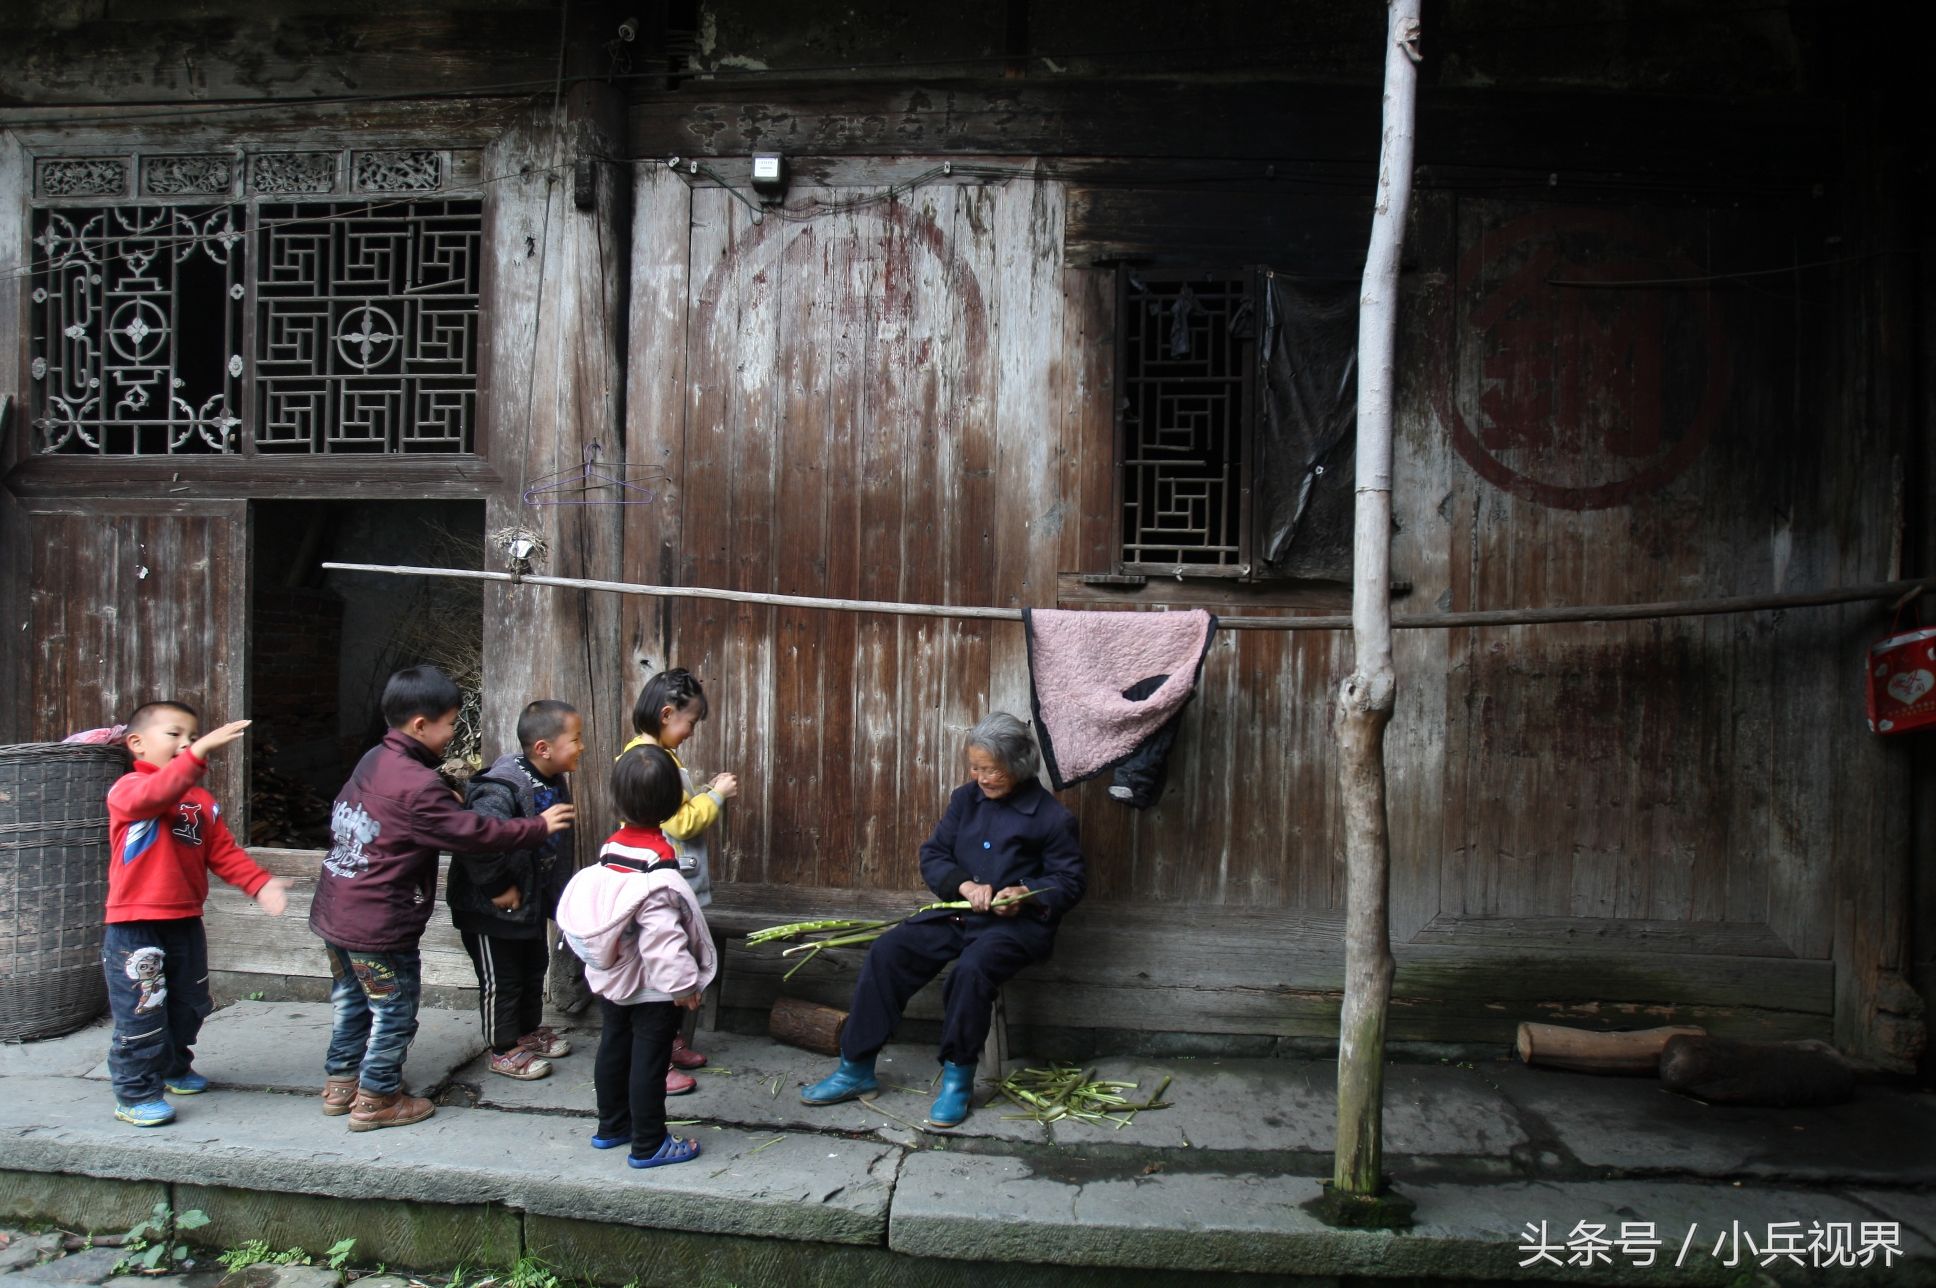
[1065, 1091]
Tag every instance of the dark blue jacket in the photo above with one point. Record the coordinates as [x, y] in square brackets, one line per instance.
[1025, 838]
[513, 788]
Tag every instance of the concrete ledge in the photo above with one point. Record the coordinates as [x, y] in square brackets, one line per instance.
[802, 1187]
[417, 1236]
[975, 1206]
[611, 1254]
[83, 1203]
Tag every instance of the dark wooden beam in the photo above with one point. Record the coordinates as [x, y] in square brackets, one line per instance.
[1558, 133]
[264, 54]
[267, 478]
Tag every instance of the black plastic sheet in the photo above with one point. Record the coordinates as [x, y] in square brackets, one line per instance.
[1302, 474]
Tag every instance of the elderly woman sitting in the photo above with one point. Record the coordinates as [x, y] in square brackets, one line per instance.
[1004, 838]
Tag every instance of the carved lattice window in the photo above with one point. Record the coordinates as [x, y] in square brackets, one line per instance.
[366, 336]
[251, 322]
[137, 329]
[1184, 378]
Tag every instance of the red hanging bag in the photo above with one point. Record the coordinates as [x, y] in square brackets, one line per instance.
[1902, 677]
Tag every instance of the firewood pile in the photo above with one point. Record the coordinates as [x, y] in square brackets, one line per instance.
[282, 810]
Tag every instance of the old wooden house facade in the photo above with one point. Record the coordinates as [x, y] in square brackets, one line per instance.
[1050, 307]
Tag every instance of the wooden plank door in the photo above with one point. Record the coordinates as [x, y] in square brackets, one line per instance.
[16, 573]
[137, 600]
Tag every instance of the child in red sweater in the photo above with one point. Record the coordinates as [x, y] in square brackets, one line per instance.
[165, 834]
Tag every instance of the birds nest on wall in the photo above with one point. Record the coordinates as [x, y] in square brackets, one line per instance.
[522, 548]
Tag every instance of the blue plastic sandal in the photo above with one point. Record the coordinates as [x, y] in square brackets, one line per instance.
[609, 1142]
[152, 1113]
[671, 1150]
[187, 1084]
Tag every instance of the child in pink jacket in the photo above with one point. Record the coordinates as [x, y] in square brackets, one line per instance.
[648, 955]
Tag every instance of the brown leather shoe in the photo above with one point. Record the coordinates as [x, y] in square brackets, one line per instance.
[393, 1110]
[339, 1095]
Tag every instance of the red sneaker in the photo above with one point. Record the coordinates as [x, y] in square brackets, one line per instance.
[684, 1057]
[678, 1084]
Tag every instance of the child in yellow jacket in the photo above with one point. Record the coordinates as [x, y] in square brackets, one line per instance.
[669, 708]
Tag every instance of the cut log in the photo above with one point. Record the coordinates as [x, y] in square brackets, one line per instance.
[1555, 1046]
[1777, 1074]
[807, 1025]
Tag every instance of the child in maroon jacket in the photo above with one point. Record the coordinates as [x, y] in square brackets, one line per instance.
[378, 887]
[165, 834]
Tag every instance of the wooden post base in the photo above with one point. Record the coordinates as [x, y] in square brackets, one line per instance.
[1385, 1210]
[1591, 1051]
[807, 1025]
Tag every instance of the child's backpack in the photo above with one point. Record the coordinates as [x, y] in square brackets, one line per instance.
[595, 914]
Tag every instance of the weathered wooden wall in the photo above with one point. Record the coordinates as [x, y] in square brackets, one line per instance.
[135, 601]
[910, 401]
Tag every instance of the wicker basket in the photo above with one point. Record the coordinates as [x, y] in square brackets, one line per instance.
[53, 884]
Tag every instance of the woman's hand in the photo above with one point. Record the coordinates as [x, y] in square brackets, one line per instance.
[979, 896]
[1011, 892]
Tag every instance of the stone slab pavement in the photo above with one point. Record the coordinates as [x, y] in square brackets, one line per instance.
[797, 1186]
[1488, 1150]
[278, 1046]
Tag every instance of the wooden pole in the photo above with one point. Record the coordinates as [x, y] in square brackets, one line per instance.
[1879, 590]
[1366, 699]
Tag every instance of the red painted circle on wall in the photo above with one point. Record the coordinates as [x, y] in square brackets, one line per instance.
[1583, 397]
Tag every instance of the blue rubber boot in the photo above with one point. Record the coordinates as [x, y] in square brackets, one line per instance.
[951, 1104]
[852, 1078]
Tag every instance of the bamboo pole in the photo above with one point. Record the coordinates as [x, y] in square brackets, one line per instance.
[1366, 698]
[1878, 590]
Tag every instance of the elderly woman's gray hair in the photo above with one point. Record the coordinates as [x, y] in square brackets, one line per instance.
[1008, 740]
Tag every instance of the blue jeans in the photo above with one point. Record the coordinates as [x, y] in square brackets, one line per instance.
[374, 1001]
[158, 992]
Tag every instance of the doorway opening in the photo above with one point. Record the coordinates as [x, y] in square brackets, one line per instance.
[324, 642]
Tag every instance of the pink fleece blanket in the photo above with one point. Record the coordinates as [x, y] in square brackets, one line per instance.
[1081, 662]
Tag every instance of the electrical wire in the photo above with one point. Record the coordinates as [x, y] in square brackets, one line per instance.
[1705, 278]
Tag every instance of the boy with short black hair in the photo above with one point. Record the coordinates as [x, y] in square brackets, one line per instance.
[501, 904]
[165, 835]
[378, 886]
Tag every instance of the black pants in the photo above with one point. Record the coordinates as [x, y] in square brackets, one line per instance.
[158, 992]
[987, 952]
[510, 985]
[634, 1052]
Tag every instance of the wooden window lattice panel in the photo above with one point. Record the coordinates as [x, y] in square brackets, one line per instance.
[136, 330]
[1184, 411]
[366, 328]
[365, 316]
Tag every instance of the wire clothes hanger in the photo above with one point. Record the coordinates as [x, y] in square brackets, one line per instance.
[594, 483]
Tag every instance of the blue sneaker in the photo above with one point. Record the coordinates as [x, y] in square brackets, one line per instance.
[610, 1142]
[951, 1103]
[852, 1078]
[152, 1114]
[187, 1084]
